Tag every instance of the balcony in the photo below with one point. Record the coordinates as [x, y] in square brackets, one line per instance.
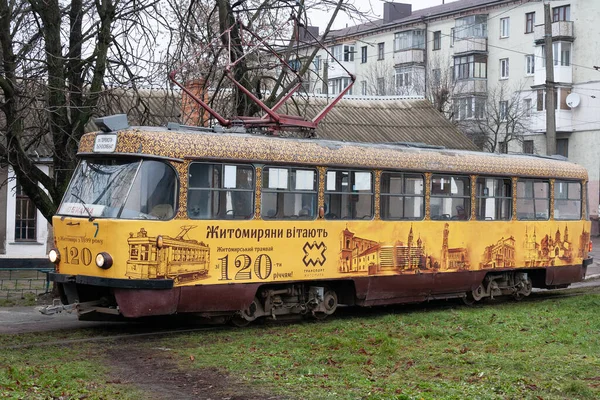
[562, 74]
[336, 71]
[470, 45]
[410, 56]
[470, 86]
[563, 118]
[561, 30]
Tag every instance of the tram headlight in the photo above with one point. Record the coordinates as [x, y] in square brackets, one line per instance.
[104, 260]
[54, 256]
[159, 242]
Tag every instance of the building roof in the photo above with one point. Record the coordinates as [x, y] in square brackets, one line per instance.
[415, 16]
[388, 121]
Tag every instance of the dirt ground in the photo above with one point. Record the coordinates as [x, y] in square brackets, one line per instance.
[156, 373]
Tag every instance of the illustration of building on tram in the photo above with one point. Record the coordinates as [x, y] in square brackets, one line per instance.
[177, 258]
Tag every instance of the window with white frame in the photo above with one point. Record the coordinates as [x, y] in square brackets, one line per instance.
[337, 52]
[409, 40]
[452, 33]
[529, 64]
[380, 51]
[403, 77]
[336, 85]
[437, 40]
[363, 54]
[504, 27]
[474, 26]
[25, 217]
[504, 68]
[363, 88]
[317, 63]
[469, 108]
[561, 54]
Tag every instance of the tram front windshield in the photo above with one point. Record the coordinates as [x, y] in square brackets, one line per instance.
[138, 189]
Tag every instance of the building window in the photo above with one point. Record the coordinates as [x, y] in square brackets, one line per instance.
[562, 147]
[348, 195]
[567, 200]
[469, 108]
[363, 54]
[402, 196]
[348, 53]
[504, 27]
[503, 147]
[25, 217]
[474, 26]
[474, 66]
[529, 22]
[403, 77]
[289, 193]
[436, 77]
[336, 85]
[504, 68]
[528, 147]
[450, 197]
[363, 88]
[533, 199]
[561, 54]
[437, 40]
[527, 107]
[541, 100]
[409, 40]
[562, 13]
[380, 51]
[493, 199]
[337, 52]
[452, 37]
[503, 110]
[381, 86]
[529, 64]
[317, 63]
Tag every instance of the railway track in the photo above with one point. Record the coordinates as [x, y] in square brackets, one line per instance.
[155, 327]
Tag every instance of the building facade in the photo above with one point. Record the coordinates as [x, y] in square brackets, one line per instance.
[482, 62]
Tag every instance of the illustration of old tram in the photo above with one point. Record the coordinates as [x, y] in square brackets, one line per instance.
[160, 257]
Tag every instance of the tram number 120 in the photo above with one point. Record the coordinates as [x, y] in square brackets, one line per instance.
[243, 263]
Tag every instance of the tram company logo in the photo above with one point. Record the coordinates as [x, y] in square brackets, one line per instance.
[314, 254]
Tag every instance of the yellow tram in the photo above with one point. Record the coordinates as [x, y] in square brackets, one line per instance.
[160, 221]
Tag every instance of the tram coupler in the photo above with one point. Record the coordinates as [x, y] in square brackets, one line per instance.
[57, 308]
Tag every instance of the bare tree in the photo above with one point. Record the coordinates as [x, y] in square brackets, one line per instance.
[493, 122]
[440, 86]
[58, 58]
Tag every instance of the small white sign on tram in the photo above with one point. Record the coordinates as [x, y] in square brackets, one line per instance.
[105, 143]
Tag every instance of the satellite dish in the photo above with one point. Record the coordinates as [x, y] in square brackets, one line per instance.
[573, 100]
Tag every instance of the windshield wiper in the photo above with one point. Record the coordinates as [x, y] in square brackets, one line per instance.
[84, 207]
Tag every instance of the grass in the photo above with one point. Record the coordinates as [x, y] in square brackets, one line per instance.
[527, 350]
[535, 349]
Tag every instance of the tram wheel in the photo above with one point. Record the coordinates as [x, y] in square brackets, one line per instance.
[330, 303]
[239, 321]
[474, 296]
[526, 291]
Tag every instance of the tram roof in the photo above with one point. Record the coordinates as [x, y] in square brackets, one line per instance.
[192, 144]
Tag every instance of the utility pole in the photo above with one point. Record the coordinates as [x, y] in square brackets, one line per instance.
[550, 102]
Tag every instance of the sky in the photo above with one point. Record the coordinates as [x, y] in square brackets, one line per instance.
[373, 7]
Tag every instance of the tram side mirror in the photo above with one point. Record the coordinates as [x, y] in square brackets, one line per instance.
[112, 123]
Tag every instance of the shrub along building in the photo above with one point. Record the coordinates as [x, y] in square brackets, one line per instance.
[25, 235]
[482, 63]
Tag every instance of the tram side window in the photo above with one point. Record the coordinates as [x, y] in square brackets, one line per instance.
[567, 200]
[533, 199]
[220, 191]
[289, 193]
[450, 197]
[348, 194]
[402, 196]
[494, 199]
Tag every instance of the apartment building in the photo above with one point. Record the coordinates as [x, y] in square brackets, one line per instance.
[482, 62]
